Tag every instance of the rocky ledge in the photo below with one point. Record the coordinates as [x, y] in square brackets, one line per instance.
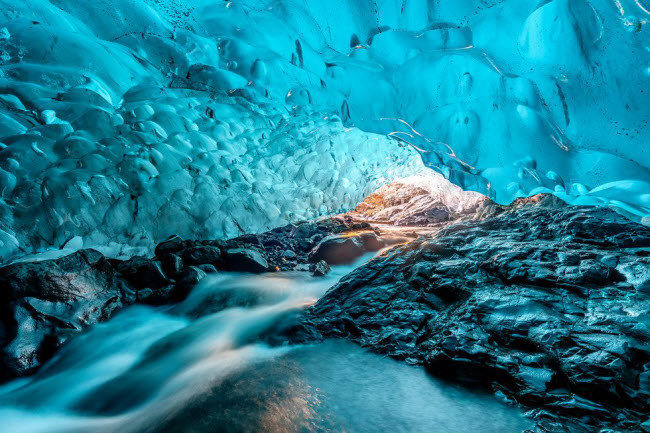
[546, 305]
[44, 303]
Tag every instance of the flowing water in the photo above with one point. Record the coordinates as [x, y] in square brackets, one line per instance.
[200, 366]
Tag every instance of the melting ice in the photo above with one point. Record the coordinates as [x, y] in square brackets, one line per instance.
[124, 121]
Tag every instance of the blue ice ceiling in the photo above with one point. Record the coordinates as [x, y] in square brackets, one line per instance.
[127, 120]
[508, 98]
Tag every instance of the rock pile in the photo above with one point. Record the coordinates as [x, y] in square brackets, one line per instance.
[45, 303]
[544, 304]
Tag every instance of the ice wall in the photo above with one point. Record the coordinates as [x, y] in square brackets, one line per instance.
[116, 129]
[125, 120]
[505, 97]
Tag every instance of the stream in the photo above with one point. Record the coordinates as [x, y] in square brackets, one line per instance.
[200, 366]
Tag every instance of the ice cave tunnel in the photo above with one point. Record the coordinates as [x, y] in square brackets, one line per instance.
[201, 200]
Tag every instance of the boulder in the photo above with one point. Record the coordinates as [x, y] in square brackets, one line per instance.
[305, 230]
[208, 269]
[337, 250]
[83, 274]
[542, 304]
[245, 260]
[171, 245]
[160, 296]
[171, 264]
[45, 303]
[371, 242]
[188, 279]
[319, 269]
[201, 255]
[142, 273]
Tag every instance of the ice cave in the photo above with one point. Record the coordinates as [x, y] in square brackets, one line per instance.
[324, 216]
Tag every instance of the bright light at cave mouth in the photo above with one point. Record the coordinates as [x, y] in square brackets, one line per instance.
[201, 201]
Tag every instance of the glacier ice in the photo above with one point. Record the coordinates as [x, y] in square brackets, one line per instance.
[190, 165]
[123, 121]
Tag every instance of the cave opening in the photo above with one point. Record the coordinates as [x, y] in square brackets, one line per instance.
[298, 215]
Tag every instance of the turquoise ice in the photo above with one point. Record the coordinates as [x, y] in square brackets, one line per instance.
[123, 121]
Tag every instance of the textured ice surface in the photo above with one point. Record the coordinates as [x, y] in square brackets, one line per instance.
[102, 140]
[185, 164]
[122, 121]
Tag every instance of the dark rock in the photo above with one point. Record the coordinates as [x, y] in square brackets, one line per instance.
[172, 264]
[273, 243]
[161, 296]
[249, 239]
[192, 275]
[68, 278]
[305, 230]
[319, 269]
[146, 296]
[315, 239]
[355, 225]
[201, 255]
[337, 250]
[44, 303]
[142, 273]
[189, 278]
[171, 245]
[543, 303]
[208, 269]
[371, 242]
[245, 260]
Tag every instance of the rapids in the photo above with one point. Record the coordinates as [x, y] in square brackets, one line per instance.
[201, 366]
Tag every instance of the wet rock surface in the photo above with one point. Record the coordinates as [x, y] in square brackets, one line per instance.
[546, 305]
[45, 303]
[319, 269]
[336, 250]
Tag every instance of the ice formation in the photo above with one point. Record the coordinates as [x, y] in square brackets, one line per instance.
[123, 121]
[190, 165]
